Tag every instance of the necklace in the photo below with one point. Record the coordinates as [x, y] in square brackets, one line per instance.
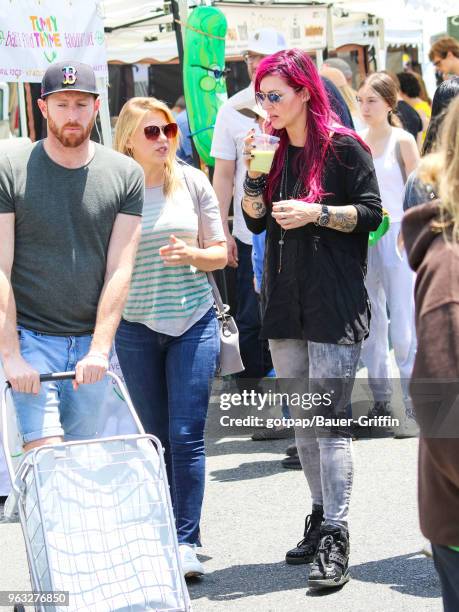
[283, 195]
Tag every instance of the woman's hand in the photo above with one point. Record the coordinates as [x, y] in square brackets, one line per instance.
[290, 214]
[249, 145]
[177, 252]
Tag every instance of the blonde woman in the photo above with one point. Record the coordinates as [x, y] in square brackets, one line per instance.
[431, 235]
[349, 94]
[168, 341]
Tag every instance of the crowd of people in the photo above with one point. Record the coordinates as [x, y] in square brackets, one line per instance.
[109, 247]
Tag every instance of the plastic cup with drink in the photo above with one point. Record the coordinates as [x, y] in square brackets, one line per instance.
[263, 153]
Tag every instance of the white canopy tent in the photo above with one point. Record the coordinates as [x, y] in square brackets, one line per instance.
[142, 30]
[121, 12]
[406, 22]
[138, 30]
[146, 34]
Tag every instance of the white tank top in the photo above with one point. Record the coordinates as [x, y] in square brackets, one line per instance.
[390, 179]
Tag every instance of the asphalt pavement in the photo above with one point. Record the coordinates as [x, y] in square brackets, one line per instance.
[254, 511]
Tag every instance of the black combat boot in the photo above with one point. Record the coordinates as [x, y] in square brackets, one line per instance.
[331, 564]
[305, 550]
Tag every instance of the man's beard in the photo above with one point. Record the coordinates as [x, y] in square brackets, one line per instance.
[71, 140]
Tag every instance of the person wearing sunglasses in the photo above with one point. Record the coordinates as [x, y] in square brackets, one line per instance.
[444, 55]
[318, 204]
[168, 339]
[234, 119]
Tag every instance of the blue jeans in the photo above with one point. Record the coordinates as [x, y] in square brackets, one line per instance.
[327, 462]
[254, 353]
[447, 566]
[169, 381]
[57, 410]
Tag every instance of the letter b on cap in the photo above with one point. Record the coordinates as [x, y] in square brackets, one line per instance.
[69, 75]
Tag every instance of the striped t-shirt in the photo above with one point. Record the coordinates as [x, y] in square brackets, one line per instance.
[170, 299]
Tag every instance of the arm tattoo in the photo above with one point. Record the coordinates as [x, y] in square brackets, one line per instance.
[343, 218]
[259, 208]
[254, 207]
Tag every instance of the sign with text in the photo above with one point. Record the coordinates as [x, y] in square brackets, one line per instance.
[303, 27]
[37, 33]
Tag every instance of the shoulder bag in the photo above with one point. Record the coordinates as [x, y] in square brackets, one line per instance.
[230, 355]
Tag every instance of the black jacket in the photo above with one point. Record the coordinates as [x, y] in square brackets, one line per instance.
[320, 294]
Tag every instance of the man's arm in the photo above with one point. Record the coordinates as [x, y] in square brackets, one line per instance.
[223, 184]
[120, 262]
[21, 375]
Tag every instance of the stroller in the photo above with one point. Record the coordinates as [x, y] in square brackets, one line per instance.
[97, 522]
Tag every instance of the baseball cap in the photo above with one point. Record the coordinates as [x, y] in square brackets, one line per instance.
[266, 41]
[249, 104]
[339, 64]
[65, 76]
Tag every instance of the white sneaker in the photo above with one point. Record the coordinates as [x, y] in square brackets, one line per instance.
[427, 549]
[408, 428]
[191, 565]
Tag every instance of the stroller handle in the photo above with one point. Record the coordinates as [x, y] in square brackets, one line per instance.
[59, 376]
[51, 376]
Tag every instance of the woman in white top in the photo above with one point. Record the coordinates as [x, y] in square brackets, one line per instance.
[168, 341]
[390, 281]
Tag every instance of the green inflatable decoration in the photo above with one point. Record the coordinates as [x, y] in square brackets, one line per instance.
[382, 229]
[204, 74]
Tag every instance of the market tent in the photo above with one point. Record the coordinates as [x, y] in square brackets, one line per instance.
[128, 45]
[406, 21]
[121, 12]
[146, 33]
[137, 30]
[400, 9]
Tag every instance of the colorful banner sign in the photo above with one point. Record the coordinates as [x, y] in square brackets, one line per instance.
[36, 33]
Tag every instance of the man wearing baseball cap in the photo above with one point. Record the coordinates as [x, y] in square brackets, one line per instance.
[70, 220]
[235, 118]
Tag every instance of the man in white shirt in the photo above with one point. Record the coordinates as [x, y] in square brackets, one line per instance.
[235, 118]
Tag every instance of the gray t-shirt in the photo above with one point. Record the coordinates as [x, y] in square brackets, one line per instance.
[171, 299]
[63, 222]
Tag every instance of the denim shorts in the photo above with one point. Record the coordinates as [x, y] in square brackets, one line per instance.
[57, 410]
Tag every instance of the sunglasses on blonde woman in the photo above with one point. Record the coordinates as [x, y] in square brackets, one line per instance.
[169, 130]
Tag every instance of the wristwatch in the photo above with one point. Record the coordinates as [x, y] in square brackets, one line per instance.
[324, 217]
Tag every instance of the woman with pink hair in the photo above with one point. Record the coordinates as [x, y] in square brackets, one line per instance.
[318, 203]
